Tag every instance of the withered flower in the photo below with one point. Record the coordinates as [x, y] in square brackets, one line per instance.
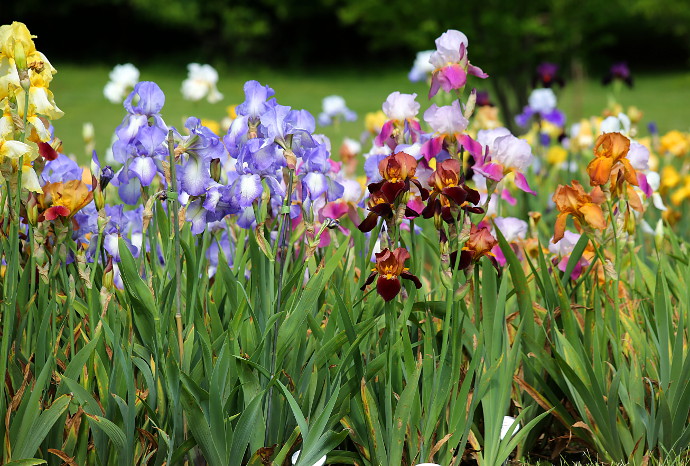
[585, 209]
[449, 190]
[390, 267]
[610, 149]
[480, 243]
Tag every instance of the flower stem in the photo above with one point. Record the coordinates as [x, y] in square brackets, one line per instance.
[174, 207]
[281, 258]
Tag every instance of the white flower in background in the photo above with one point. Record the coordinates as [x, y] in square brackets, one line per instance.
[422, 67]
[123, 78]
[616, 124]
[542, 100]
[400, 107]
[505, 427]
[638, 156]
[201, 82]
[512, 228]
[320, 462]
[566, 245]
[334, 107]
[351, 147]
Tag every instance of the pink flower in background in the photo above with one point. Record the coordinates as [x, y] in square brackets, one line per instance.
[503, 153]
[450, 62]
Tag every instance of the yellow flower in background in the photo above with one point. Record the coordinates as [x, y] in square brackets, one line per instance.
[213, 125]
[373, 121]
[582, 136]
[669, 178]
[552, 130]
[486, 117]
[683, 193]
[232, 111]
[635, 114]
[6, 121]
[675, 142]
[556, 155]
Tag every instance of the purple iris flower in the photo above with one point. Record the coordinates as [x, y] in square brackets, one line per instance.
[143, 163]
[149, 100]
[541, 104]
[122, 224]
[236, 136]
[87, 224]
[547, 75]
[619, 71]
[256, 101]
[314, 172]
[61, 169]
[289, 128]
[201, 146]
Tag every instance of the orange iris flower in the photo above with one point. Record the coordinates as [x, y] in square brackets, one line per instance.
[610, 149]
[63, 199]
[573, 200]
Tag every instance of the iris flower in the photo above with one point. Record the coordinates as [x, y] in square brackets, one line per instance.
[610, 150]
[390, 268]
[584, 207]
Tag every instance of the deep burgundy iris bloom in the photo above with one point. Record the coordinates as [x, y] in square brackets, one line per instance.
[380, 205]
[390, 268]
[398, 171]
[449, 190]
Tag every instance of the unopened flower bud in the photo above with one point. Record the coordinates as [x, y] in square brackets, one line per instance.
[216, 170]
[659, 235]
[108, 275]
[19, 56]
[629, 222]
[471, 102]
[106, 176]
[32, 209]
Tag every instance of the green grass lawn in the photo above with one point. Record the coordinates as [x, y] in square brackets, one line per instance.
[79, 93]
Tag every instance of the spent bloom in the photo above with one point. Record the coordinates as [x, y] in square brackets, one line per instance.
[123, 78]
[201, 82]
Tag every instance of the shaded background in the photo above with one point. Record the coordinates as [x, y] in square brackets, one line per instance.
[307, 38]
[508, 35]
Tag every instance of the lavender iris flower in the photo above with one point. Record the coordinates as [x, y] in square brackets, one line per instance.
[61, 169]
[314, 175]
[541, 104]
[201, 147]
[256, 101]
[149, 102]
